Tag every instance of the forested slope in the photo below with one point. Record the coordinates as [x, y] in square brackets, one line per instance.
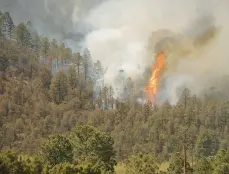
[55, 119]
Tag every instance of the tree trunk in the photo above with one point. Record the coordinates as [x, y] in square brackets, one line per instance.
[185, 171]
[78, 68]
[192, 156]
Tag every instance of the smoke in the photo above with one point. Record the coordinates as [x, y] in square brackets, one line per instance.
[122, 30]
[192, 33]
[200, 54]
[59, 19]
[127, 33]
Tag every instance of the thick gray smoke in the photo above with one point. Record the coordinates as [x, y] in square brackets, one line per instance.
[125, 29]
[125, 33]
[60, 19]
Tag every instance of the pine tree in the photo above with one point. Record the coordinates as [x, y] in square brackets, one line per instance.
[72, 78]
[54, 49]
[9, 25]
[61, 49]
[37, 46]
[45, 45]
[1, 28]
[27, 36]
[67, 53]
[111, 96]
[105, 97]
[87, 63]
[146, 110]
[4, 62]
[77, 60]
[20, 34]
[4, 25]
[98, 70]
[59, 88]
[130, 87]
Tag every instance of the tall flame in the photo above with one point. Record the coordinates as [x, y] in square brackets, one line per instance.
[152, 86]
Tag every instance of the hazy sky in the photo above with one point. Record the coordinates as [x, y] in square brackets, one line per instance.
[61, 19]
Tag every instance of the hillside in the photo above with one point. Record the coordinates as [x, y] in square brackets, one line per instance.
[56, 117]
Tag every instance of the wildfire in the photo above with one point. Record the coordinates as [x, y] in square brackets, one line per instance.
[152, 86]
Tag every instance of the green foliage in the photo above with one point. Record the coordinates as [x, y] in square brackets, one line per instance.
[222, 169]
[57, 153]
[177, 165]
[217, 165]
[72, 78]
[221, 162]
[10, 162]
[93, 147]
[204, 166]
[57, 149]
[59, 88]
[46, 77]
[45, 47]
[22, 35]
[207, 144]
[222, 156]
[4, 62]
[141, 164]
[64, 168]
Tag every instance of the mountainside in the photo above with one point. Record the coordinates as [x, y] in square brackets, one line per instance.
[58, 120]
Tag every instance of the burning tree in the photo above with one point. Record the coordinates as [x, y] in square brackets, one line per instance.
[152, 86]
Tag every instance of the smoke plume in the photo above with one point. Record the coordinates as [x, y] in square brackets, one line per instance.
[192, 33]
[59, 19]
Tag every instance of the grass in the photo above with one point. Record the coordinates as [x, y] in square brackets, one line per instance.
[120, 168]
[164, 166]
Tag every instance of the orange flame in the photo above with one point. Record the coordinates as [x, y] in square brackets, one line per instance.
[152, 86]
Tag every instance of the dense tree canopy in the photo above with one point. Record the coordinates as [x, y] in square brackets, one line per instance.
[57, 149]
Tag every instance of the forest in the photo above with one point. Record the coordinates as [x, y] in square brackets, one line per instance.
[55, 123]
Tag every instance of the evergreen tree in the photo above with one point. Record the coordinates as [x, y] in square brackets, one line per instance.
[27, 36]
[37, 46]
[141, 164]
[9, 25]
[72, 78]
[4, 62]
[54, 49]
[94, 147]
[59, 88]
[61, 48]
[98, 70]
[204, 166]
[87, 64]
[45, 45]
[1, 29]
[57, 149]
[146, 110]
[207, 144]
[111, 96]
[20, 34]
[176, 165]
[77, 60]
